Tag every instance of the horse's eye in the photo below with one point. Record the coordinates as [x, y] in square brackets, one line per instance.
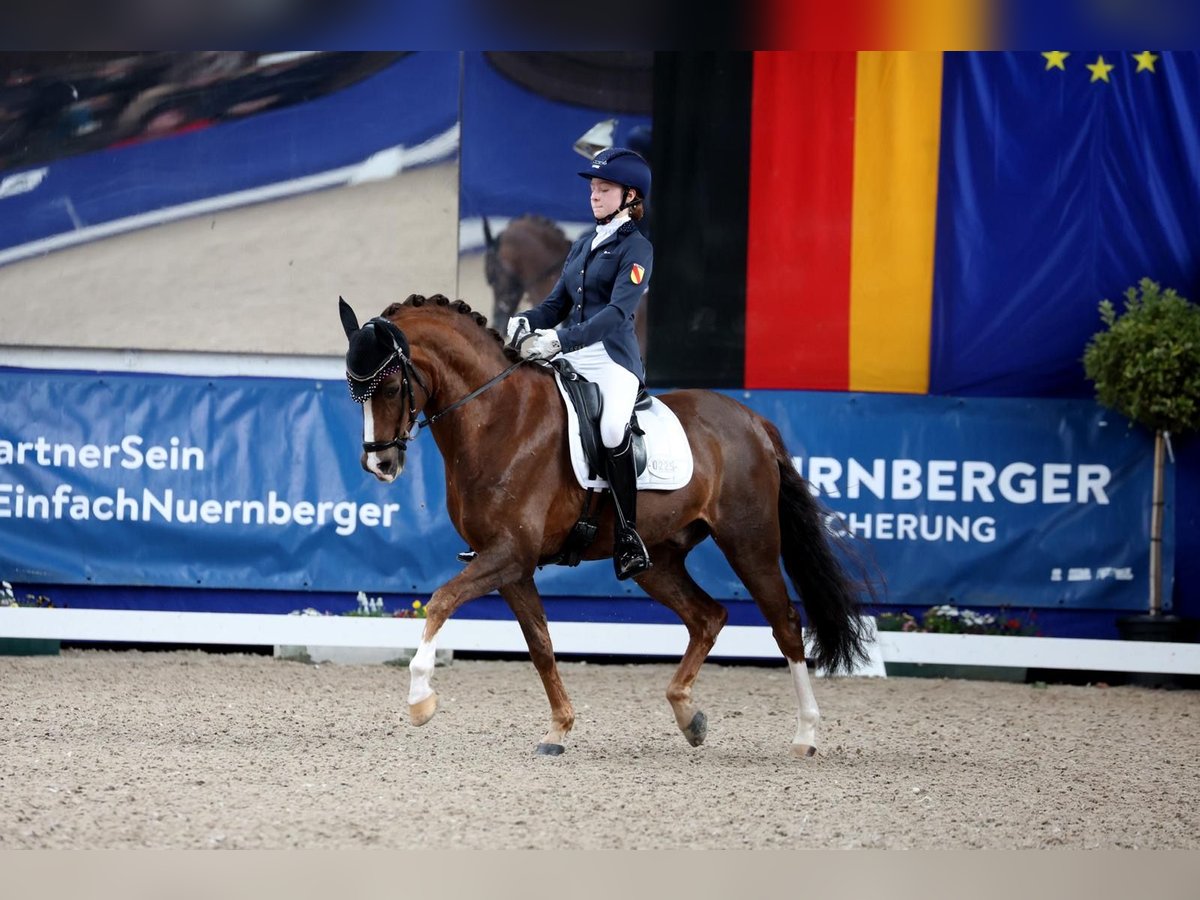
[391, 391]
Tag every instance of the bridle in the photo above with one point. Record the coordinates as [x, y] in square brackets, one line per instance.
[409, 374]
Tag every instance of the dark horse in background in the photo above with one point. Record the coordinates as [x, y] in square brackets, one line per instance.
[512, 495]
[522, 263]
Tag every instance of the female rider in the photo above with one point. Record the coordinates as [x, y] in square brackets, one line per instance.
[589, 317]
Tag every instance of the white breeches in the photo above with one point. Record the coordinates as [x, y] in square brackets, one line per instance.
[618, 387]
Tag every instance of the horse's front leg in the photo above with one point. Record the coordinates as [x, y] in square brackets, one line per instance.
[526, 604]
[486, 573]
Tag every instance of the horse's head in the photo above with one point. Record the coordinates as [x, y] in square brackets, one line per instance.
[523, 262]
[381, 377]
[503, 279]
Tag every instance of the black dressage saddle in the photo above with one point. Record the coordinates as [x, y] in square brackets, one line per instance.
[585, 397]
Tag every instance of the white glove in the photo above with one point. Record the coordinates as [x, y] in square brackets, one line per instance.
[517, 325]
[542, 344]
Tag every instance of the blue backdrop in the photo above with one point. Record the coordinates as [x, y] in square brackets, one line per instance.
[240, 483]
[516, 147]
[1056, 191]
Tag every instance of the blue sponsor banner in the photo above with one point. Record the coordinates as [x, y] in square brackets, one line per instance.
[255, 484]
[984, 502]
[221, 483]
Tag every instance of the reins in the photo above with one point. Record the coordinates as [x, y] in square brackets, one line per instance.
[429, 420]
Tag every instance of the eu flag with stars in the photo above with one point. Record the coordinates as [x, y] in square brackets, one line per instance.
[1064, 178]
[948, 223]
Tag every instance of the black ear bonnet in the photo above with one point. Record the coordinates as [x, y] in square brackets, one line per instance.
[377, 350]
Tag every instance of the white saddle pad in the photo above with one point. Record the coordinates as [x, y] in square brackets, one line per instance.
[668, 453]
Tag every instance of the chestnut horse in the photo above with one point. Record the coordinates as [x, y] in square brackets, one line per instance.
[512, 495]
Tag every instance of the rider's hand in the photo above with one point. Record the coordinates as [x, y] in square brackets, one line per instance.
[517, 326]
[543, 344]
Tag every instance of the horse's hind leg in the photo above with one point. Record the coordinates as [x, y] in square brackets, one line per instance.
[526, 605]
[669, 583]
[755, 560]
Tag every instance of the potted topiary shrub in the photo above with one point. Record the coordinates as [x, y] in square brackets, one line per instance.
[1145, 365]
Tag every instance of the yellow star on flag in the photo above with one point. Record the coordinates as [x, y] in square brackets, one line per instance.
[1145, 61]
[1056, 59]
[1100, 69]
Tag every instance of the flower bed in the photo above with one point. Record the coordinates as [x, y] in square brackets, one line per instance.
[368, 607]
[946, 619]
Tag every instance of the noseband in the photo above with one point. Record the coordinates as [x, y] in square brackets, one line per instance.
[408, 375]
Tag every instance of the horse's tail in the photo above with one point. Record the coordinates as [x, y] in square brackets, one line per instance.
[829, 595]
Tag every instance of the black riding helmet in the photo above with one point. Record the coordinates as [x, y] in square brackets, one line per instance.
[624, 167]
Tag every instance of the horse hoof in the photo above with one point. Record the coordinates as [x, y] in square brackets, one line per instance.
[422, 712]
[697, 729]
[549, 750]
[803, 751]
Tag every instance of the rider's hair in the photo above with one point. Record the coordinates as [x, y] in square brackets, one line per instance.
[637, 206]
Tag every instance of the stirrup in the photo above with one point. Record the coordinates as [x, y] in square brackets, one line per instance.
[467, 556]
[630, 556]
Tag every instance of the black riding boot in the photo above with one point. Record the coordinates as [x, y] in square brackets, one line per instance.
[629, 553]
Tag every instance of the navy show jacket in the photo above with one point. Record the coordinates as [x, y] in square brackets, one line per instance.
[597, 295]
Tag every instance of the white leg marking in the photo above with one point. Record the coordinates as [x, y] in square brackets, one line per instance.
[373, 458]
[808, 714]
[369, 435]
[419, 671]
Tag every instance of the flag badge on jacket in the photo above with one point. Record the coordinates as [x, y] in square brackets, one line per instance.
[636, 274]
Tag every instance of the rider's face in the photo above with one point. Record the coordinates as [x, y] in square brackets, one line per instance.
[605, 197]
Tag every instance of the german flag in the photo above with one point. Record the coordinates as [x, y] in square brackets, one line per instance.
[949, 222]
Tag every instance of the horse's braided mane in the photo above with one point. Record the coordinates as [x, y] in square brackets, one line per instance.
[459, 306]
